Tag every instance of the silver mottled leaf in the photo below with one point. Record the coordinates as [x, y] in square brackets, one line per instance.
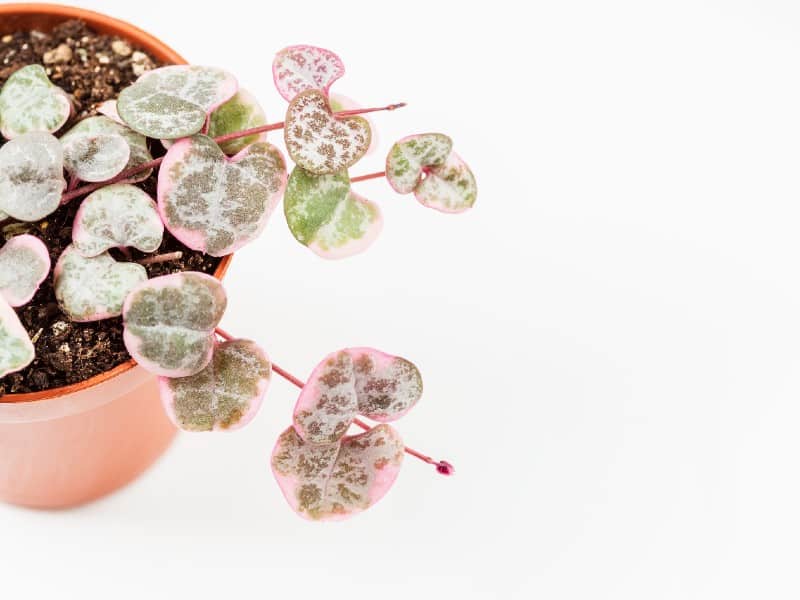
[31, 176]
[410, 156]
[24, 265]
[16, 349]
[30, 102]
[299, 68]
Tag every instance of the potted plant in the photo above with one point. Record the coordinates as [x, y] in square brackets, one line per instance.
[155, 186]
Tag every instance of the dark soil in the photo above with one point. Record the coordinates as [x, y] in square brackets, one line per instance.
[92, 68]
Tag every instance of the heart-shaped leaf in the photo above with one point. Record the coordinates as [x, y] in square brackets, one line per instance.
[31, 176]
[336, 481]
[339, 102]
[410, 157]
[117, 216]
[30, 102]
[24, 265]
[92, 289]
[174, 102]
[104, 133]
[355, 381]
[449, 188]
[320, 142]
[226, 395]
[300, 68]
[239, 113]
[217, 204]
[170, 320]
[16, 348]
[324, 214]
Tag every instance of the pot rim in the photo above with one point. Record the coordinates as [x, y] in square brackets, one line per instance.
[152, 44]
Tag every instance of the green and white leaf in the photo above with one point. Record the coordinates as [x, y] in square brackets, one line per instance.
[117, 216]
[30, 102]
[324, 214]
[174, 102]
[409, 156]
[16, 348]
[31, 176]
[449, 187]
[239, 113]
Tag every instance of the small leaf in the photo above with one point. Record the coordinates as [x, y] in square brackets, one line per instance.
[92, 289]
[30, 102]
[409, 157]
[336, 481]
[106, 131]
[175, 101]
[109, 109]
[226, 395]
[117, 216]
[449, 188]
[300, 68]
[31, 176]
[339, 102]
[217, 204]
[24, 265]
[94, 156]
[239, 113]
[170, 320]
[324, 214]
[16, 348]
[355, 381]
[319, 142]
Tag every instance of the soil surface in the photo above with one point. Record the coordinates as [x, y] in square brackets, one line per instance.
[92, 68]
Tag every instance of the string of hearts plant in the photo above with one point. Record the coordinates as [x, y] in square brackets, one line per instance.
[218, 183]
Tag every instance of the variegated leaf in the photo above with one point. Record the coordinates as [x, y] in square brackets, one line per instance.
[300, 68]
[238, 114]
[106, 131]
[320, 142]
[339, 102]
[336, 481]
[174, 102]
[170, 320]
[324, 214]
[30, 102]
[217, 204]
[449, 188]
[226, 395]
[24, 265]
[350, 382]
[117, 216]
[31, 176]
[109, 109]
[16, 348]
[412, 156]
[94, 156]
[92, 289]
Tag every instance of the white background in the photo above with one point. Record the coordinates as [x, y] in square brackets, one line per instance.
[610, 339]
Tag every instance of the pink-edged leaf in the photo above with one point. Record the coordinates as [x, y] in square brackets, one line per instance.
[93, 289]
[169, 322]
[117, 216]
[24, 265]
[16, 348]
[30, 102]
[355, 381]
[238, 114]
[109, 109]
[31, 176]
[449, 188]
[226, 395]
[174, 102]
[300, 68]
[324, 214]
[336, 481]
[217, 204]
[340, 102]
[319, 142]
[411, 156]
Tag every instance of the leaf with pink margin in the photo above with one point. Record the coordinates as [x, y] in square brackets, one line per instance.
[340, 102]
[319, 142]
[224, 396]
[350, 382]
[169, 322]
[24, 265]
[217, 204]
[325, 215]
[336, 481]
[300, 68]
[31, 176]
[117, 216]
[411, 157]
[109, 109]
[93, 289]
[30, 102]
[238, 114]
[449, 188]
[16, 348]
[174, 102]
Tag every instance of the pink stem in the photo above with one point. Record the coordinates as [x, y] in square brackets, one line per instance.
[368, 176]
[160, 258]
[442, 466]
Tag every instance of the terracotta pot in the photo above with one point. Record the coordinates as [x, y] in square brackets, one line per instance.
[73, 444]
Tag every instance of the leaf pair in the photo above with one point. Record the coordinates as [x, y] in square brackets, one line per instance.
[325, 474]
